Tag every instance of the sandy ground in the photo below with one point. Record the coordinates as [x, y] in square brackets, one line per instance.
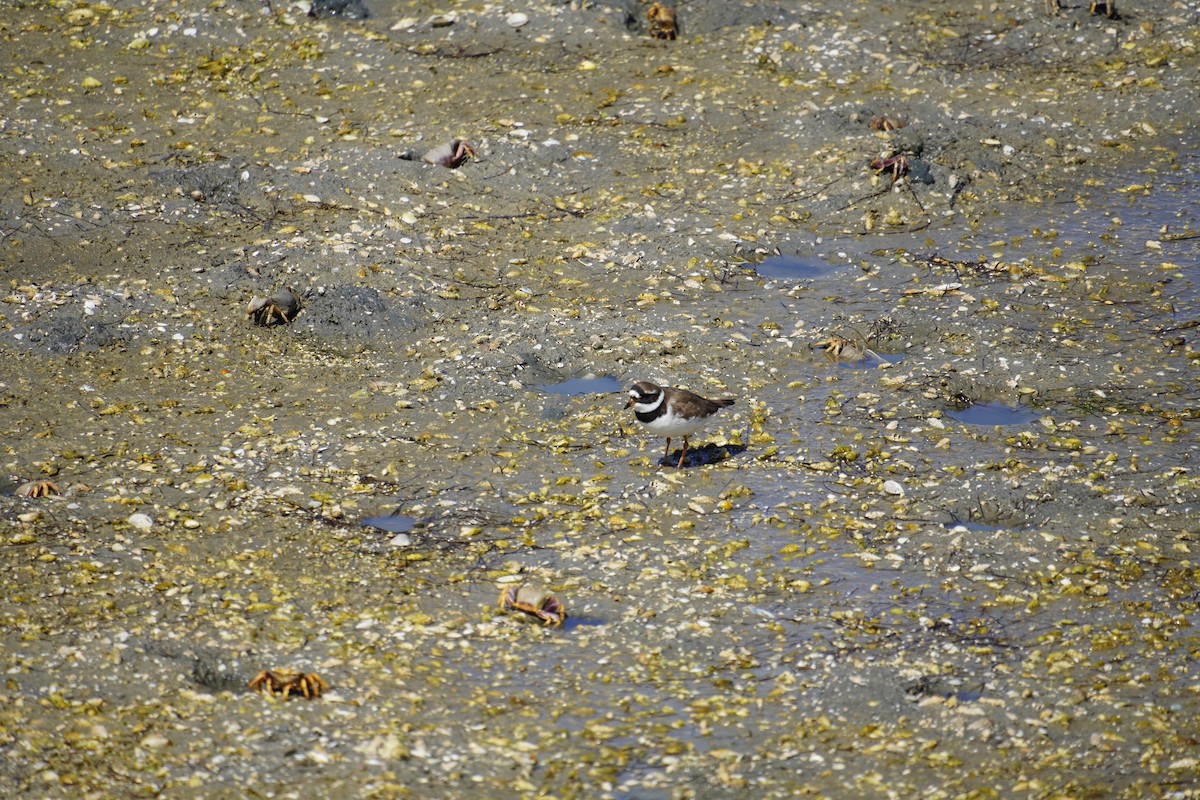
[955, 561]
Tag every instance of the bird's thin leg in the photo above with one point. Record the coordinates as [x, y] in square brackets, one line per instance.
[668, 449]
[684, 453]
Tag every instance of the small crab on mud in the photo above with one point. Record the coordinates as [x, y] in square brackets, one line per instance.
[279, 308]
[35, 489]
[882, 123]
[450, 155]
[535, 602]
[285, 681]
[845, 351]
[838, 349]
[661, 21]
[895, 165]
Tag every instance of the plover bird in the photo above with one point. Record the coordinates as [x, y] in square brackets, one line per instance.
[672, 412]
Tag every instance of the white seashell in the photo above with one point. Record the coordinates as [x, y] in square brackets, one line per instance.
[517, 20]
[893, 488]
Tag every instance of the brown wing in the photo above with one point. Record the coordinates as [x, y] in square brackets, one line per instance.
[702, 404]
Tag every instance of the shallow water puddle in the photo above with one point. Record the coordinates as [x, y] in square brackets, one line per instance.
[570, 623]
[605, 384]
[872, 360]
[994, 414]
[795, 268]
[392, 523]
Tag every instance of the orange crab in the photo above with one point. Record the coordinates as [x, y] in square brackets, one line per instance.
[35, 489]
[535, 602]
[285, 681]
[661, 21]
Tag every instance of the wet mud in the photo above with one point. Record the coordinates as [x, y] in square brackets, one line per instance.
[951, 554]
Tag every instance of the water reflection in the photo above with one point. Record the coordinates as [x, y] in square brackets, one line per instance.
[994, 414]
[795, 268]
[392, 523]
[605, 384]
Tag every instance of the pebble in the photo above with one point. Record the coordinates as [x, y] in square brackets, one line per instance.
[140, 521]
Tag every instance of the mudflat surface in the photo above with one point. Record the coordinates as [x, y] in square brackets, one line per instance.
[949, 553]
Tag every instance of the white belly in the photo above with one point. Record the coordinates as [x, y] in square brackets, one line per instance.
[672, 425]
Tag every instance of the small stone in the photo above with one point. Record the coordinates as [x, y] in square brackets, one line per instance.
[140, 521]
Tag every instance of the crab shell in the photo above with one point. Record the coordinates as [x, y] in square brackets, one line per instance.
[279, 308]
[537, 602]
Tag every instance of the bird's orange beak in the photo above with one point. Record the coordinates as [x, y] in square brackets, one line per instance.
[630, 403]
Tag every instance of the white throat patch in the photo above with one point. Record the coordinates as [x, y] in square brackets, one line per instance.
[646, 408]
